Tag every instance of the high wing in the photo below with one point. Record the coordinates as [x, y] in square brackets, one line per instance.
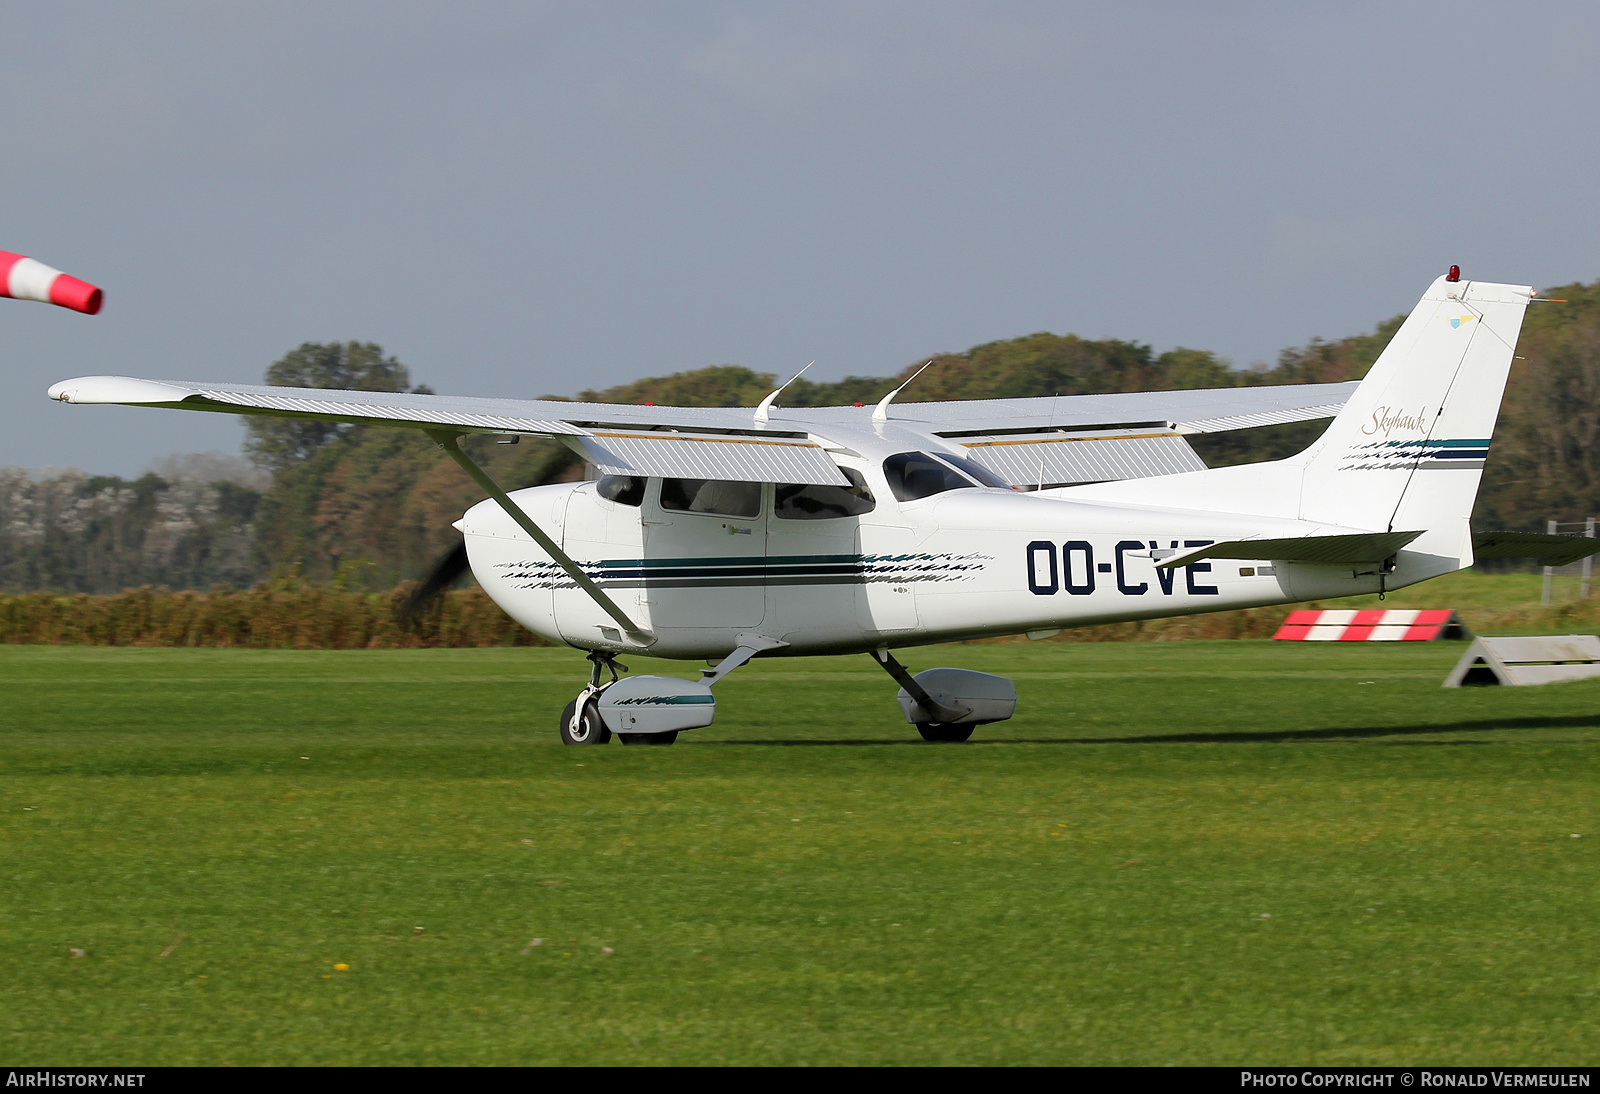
[1054, 439]
[680, 442]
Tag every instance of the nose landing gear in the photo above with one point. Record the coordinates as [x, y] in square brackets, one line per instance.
[641, 710]
[581, 723]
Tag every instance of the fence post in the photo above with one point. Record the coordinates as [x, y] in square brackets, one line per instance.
[1588, 560]
[1549, 571]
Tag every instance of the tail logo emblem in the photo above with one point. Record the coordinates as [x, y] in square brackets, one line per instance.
[1386, 420]
[1457, 320]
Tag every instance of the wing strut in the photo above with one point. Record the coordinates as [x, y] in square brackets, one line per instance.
[449, 442]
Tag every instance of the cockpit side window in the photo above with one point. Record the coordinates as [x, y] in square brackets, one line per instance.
[914, 475]
[803, 501]
[622, 489]
[975, 470]
[713, 496]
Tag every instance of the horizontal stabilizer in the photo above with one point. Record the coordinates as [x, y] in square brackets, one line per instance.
[1353, 547]
[1547, 550]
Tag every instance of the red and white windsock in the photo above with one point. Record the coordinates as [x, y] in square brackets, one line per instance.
[23, 278]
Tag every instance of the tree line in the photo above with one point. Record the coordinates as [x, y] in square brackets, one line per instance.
[365, 509]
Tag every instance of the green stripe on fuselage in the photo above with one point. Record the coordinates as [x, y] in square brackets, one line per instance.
[744, 560]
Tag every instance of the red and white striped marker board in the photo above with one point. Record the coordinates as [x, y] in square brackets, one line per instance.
[24, 278]
[1371, 625]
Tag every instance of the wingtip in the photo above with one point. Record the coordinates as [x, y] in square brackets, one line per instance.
[115, 389]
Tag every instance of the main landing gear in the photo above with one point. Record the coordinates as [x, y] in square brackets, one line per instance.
[946, 705]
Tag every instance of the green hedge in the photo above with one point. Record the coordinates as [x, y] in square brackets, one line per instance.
[279, 615]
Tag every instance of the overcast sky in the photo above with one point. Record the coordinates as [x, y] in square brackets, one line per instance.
[518, 199]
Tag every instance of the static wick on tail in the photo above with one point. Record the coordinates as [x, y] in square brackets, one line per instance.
[24, 278]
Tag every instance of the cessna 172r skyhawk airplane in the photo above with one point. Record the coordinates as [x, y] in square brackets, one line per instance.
[727, 533]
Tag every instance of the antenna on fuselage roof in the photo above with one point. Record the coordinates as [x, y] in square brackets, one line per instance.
[880, 413]
[764, 409]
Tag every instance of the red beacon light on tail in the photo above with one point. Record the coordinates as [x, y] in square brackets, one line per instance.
[1454, 274]
[24, 278]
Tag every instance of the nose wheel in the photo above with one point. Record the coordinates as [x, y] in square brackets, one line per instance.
[581, 723]
[583, 728]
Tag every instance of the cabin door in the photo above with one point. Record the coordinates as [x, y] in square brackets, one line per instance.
[705, 553]
[813, 568]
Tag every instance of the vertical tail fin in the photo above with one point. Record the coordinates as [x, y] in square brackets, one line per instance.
[1407, 450]
[1405, 454]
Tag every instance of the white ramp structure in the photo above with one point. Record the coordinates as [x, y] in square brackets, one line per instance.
[1541, 659]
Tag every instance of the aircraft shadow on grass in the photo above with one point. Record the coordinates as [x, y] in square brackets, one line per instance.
[1332, 733]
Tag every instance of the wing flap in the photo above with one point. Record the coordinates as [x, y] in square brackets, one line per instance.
[703, 456]
[1069, 459]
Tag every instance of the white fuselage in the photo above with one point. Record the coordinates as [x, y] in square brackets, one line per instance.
[964, 563]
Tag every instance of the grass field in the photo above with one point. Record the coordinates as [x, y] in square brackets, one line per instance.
[1202, 852]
